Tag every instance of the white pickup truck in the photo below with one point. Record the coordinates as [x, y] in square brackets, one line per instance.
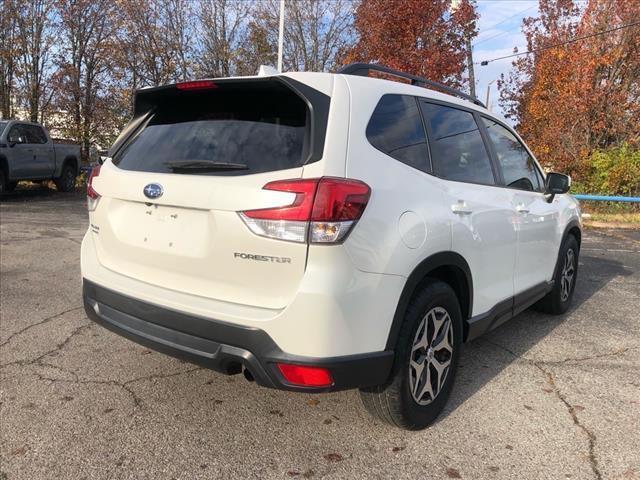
[28, 153]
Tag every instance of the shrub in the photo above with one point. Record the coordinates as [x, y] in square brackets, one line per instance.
[615, 171]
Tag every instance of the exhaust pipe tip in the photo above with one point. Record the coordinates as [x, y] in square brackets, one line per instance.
[248, 375]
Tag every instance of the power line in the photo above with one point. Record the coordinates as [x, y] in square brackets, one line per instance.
[482, 40]
[620, 27]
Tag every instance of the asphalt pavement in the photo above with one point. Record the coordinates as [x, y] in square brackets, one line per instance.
[541, 397]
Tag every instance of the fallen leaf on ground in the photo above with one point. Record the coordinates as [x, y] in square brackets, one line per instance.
[453, 473]
[333, 457]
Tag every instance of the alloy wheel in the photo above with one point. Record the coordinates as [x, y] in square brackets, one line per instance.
[431, 355]
[568, 272]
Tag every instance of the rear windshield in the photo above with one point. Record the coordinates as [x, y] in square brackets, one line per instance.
[229, 132]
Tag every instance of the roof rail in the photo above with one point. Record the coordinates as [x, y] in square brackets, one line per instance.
[363, 69]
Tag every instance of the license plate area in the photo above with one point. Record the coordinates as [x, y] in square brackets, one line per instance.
[163, 229]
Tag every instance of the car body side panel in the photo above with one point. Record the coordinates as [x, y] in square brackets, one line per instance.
[382, 242]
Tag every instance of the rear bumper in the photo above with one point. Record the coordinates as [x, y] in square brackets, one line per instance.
[222, 346]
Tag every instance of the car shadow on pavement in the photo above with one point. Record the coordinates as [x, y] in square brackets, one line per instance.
[485, 358]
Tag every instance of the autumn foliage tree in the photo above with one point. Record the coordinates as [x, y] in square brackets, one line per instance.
[578, 98]
[416, 36]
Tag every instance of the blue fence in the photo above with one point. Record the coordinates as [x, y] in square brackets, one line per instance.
[605, 198]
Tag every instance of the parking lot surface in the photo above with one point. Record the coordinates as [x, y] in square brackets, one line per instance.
[541, 397]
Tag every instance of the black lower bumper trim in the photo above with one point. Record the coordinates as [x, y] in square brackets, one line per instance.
[222, 346]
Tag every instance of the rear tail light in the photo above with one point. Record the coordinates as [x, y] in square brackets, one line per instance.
[196, 85]
[305, 376]
[323, 210]
[93, 197]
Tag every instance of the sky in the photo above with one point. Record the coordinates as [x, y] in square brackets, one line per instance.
[500, 31]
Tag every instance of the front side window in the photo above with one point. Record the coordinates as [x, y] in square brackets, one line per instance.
[457, 150]
[395, 128]
[518, 167]
[17, 134]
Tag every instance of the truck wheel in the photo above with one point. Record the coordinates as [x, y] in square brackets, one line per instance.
[66, 182]
[3, 183]
[426, 358]
[11, 186]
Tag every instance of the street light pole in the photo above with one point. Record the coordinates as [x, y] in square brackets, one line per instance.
[281, 36]
[488, 93]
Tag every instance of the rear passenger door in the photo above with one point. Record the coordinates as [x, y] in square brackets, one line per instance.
[481, 213]
[535, 219]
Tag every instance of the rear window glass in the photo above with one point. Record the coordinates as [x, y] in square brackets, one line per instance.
[217, 133]
[457, 148]
[396, 129]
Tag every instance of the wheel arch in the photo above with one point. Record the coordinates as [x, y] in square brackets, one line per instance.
[573, 228]
[449, 267]
[70, 159]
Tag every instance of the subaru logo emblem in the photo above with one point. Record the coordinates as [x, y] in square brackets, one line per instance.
[153, 190]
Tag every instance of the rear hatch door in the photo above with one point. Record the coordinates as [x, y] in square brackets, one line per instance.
[170, 196]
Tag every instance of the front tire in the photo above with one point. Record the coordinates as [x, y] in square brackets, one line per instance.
[426, 359]
[66, 182]
[558, 300]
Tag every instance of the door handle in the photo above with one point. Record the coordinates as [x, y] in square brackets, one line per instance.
[521, 208]
[461, 208]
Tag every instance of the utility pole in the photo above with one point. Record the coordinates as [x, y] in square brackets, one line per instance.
[281, 36]
[472, 73]
[455, 4]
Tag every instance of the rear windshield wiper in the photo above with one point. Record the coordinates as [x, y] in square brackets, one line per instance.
[204, 165]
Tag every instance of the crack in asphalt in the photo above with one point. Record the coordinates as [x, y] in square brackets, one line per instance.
[58, 347]
[615, 353]
[550, 379]
[38, 361]
[41, 322]
[137, 401]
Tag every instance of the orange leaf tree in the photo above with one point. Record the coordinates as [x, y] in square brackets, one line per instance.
[574, 99]
[421, 37]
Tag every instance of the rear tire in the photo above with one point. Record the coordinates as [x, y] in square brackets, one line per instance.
[425, 363]
[3, 183]
[66, 182]
[558, 300]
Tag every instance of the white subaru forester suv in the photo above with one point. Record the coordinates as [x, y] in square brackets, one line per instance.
[320, 231]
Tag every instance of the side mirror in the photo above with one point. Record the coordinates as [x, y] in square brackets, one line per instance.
[556, 184]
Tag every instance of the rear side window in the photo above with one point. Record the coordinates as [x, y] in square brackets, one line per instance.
[457, 149]
[518, 167]
[396, 129]
[221, 133]
[35, 134]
